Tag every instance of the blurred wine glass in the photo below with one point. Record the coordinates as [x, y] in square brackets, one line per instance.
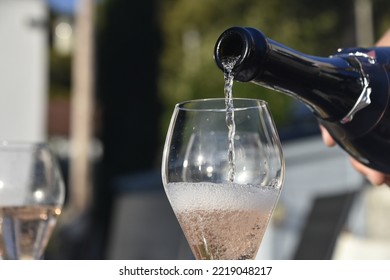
[31, 198]
[223, 215]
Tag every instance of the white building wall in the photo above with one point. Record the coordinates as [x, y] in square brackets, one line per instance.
[23, 70]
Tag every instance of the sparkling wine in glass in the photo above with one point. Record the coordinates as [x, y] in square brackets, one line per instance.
[223, 202]
[31, 198]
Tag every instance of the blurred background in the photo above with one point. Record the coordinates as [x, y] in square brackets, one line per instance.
[99, 80]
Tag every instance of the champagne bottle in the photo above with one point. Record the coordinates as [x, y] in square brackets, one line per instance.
[348, 92]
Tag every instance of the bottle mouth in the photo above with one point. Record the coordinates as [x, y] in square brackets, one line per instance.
[247, 46]
[231, 43]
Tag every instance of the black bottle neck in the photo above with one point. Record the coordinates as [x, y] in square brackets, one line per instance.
[330, 86]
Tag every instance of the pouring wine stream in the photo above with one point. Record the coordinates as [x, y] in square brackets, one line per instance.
[228, 65]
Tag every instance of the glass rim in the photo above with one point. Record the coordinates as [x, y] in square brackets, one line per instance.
[250, 103]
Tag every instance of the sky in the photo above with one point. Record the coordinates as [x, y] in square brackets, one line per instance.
[62, 6]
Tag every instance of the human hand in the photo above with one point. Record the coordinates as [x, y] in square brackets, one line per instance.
[375, 177]
[384, 41]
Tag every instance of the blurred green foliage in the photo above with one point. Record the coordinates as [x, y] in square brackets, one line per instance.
[59, 75]
[191, 28]
[60, 64]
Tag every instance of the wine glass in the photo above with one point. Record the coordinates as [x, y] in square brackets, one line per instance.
[223, 191]
[31, 198]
